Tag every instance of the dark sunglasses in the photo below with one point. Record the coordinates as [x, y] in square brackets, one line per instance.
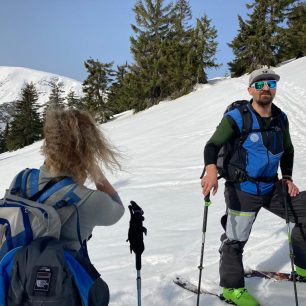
[260, 84]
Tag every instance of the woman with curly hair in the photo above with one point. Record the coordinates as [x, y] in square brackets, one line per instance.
[75, 147]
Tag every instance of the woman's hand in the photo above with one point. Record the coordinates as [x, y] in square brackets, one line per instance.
[102, 182]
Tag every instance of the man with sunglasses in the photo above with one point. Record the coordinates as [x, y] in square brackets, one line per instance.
[252, 181]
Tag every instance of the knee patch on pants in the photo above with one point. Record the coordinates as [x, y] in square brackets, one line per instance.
[239, 225]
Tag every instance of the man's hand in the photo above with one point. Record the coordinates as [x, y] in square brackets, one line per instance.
[209, 181]
[293, 190]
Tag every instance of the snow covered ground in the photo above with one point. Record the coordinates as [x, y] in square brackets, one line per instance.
[163, 159]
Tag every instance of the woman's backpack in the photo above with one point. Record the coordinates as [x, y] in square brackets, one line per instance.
[35, 268]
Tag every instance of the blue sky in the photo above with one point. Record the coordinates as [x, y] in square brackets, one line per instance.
[59, 35]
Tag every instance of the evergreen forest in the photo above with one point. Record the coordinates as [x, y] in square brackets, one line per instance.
[171, 54]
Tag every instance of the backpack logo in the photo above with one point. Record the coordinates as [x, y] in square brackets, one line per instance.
[43, 277]
[254, 137]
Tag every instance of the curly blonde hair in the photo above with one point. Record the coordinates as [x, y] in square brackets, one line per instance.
[74, 145]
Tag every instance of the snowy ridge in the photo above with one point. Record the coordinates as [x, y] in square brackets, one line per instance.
[12, 80]
[162, 151]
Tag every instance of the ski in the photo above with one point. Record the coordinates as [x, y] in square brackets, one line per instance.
[189, 286]
[277, 276]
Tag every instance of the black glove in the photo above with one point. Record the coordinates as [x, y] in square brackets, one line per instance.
[136, 230]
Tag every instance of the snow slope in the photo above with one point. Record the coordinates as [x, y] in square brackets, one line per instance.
[12, 80]
[163, 159]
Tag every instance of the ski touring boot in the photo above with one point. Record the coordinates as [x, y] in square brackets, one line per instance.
[300, 274]
[239, 297]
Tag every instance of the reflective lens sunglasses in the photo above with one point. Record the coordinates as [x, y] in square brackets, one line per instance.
[260, 84]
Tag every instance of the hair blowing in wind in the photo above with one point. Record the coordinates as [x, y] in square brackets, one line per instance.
[74, 145]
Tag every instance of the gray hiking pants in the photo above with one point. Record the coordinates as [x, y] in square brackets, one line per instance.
[242, 209]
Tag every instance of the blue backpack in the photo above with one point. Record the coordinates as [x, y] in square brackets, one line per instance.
[35, 268]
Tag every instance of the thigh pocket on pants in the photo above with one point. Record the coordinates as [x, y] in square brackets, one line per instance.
[239, 224]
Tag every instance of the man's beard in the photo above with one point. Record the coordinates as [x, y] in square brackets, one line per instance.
[266, 100]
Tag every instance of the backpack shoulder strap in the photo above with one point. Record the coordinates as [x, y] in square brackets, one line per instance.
[247, 120]
[34, 179]
[6, 266]
[68, 199]
[53, 186]
[31, 176]
[235, 104]
[82, 278]
[20, 182]
[24, 177]
[282, 121]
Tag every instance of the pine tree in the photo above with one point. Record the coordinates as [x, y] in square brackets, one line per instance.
[136, 98]
[170, 56]
[254, 46]
[293, 43]
[5, 135]
[175, 50]
[241, 63]
[56, 97]
[278, 13]
[26, 126]
[2, 142]
[260, 39]
[204, 48]
[96, 88]
[153, 19]
[3, 138]
[119, 96]
[73, 101]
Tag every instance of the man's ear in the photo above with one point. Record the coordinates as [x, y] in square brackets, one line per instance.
[250, 90]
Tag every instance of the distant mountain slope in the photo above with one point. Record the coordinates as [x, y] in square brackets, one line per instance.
[12, 80]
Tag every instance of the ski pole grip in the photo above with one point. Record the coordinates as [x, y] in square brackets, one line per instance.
[207, 201]
[206, 204]
[138, 262]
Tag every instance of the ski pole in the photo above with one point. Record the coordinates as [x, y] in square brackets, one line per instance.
[284, 195]
[135, 237]
[207, 202]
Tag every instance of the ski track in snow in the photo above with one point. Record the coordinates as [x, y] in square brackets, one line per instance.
[163, 160]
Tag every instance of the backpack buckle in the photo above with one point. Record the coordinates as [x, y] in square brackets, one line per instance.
[240, 176]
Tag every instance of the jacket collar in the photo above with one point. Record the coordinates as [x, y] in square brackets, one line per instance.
[276, 111]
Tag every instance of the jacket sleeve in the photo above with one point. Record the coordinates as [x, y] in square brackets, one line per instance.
[223, 133]
[286, 162]
[101, 209]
